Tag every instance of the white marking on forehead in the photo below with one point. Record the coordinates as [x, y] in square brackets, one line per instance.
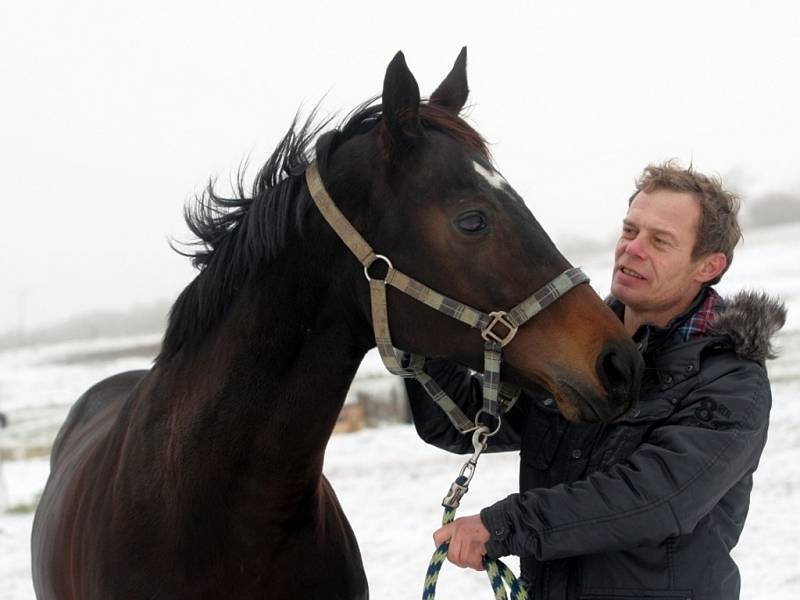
[494, 178]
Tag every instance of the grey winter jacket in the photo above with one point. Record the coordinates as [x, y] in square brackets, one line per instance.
[651, 505]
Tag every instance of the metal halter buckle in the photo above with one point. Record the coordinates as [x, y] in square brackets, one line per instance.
[489, 335]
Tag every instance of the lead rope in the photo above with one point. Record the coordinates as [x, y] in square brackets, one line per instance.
[499, 574]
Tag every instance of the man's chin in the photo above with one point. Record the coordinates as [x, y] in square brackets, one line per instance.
[630, 298]
[620, 292]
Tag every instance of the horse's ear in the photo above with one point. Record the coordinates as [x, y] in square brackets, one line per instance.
[453, 91]
[401, 102]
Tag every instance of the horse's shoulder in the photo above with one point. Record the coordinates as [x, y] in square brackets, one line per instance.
[97, 398]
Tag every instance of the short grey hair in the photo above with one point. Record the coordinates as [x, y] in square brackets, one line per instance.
[718, 229]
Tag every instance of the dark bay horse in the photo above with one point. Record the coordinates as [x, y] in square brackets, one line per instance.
[202, 477]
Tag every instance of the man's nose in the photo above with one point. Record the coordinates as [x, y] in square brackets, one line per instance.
[635, 247]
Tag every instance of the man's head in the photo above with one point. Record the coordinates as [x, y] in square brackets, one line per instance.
[678, 235]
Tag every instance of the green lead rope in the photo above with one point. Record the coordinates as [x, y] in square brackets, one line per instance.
[499, 574]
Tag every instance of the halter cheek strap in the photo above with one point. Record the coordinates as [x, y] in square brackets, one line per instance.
[497, 328]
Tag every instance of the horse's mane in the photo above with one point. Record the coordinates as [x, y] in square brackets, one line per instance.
[236, 234]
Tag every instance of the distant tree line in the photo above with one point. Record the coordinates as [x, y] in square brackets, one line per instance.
[137, 320]
[774, 208]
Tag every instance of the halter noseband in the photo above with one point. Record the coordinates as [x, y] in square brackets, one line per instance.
[497, 397]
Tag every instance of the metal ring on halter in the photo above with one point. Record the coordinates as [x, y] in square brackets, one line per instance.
[389, 267]
[479, 424]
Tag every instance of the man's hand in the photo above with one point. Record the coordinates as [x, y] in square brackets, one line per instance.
[468, 539]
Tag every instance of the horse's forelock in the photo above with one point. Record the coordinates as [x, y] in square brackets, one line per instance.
[440, 119]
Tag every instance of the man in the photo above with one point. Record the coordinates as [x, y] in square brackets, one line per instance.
[651, 505]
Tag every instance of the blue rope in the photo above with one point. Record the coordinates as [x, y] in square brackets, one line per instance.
[499, 574]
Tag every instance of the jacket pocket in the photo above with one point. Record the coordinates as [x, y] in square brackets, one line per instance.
[647, 411]
[634, 427]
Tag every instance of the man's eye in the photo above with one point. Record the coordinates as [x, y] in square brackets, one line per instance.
[628, 232]
[471, 222]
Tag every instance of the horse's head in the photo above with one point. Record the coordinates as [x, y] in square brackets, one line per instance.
[419, 184]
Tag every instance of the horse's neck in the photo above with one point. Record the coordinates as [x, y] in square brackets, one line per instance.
[252, 408]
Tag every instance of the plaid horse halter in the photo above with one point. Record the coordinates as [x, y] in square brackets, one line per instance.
[497, 397]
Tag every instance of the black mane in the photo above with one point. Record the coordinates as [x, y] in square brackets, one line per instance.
[235, 234]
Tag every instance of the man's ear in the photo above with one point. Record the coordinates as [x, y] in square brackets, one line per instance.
[710, 267]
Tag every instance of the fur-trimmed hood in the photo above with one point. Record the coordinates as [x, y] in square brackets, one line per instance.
[750, 319]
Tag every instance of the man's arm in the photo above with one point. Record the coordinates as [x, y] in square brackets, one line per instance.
[666, 486]
[465, 388]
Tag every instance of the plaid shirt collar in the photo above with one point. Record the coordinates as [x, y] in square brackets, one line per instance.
[697, 324]
[690, 325]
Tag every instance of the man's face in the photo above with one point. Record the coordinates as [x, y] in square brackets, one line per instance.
[654, 273]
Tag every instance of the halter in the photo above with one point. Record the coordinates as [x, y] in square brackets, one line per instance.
[497, 328]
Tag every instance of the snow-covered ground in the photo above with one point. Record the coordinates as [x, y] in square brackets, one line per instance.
[390, 483]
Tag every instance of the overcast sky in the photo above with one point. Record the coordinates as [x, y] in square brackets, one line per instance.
[113, 114]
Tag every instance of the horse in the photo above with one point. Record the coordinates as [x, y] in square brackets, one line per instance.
[202, 476]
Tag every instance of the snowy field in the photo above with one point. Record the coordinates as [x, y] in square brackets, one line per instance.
[390, 483]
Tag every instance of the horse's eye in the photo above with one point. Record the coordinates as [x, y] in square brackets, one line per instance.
[471, 222]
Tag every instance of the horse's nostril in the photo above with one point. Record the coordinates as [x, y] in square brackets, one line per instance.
[620, 370]
[613, 372]
[614, 369]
